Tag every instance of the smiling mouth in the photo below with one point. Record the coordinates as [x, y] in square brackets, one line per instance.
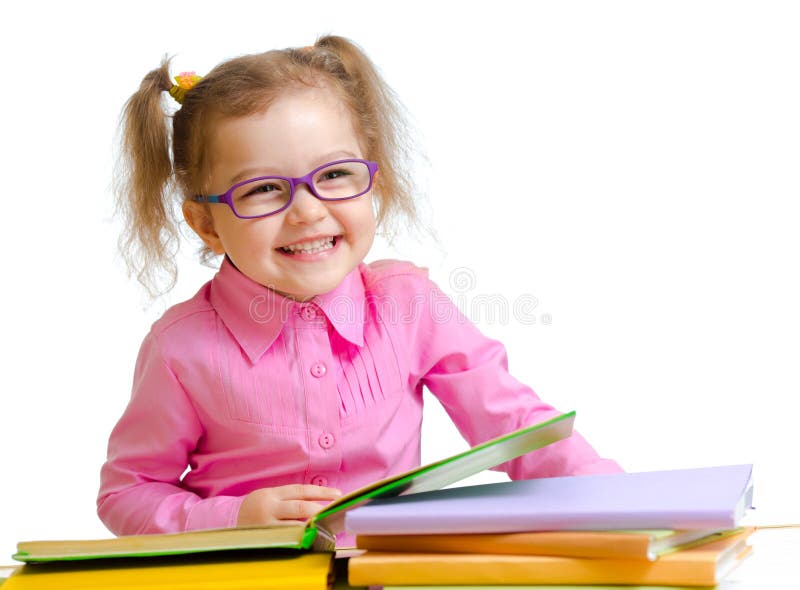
[311, 247]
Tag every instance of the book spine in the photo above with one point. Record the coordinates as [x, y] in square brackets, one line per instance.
[581, 544]
[414, 569]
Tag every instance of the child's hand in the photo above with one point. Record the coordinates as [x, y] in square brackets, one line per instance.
[291, 504]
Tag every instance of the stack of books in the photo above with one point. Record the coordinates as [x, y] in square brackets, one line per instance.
[585, 530]
[298, 557]
[660, 528]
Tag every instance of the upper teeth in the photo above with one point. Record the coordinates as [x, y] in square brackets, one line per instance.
[312, 246]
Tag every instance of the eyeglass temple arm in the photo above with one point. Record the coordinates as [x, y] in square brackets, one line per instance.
[206, 199]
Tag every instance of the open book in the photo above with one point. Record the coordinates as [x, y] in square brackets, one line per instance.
[320, 530]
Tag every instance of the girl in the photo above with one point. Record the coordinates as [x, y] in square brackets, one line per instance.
[297, 371]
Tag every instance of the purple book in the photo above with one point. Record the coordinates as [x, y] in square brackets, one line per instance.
[705, 498]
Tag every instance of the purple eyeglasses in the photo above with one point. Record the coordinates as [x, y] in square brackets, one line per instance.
[268, 195]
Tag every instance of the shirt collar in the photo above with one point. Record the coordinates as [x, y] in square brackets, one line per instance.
[344, 307]
[255, 315]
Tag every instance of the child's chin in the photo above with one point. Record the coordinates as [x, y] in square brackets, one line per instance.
[313, 288]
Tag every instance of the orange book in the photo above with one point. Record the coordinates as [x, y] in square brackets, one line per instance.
[704, 565]
[605, 544]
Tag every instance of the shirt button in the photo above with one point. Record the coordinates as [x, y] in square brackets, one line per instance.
[308, 313]
[318, 369]
[319, 480]
[326, 440]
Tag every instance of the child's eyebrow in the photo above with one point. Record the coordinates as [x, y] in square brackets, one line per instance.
[337, 155]
[254, 172]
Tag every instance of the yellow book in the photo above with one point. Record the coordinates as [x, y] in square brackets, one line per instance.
[292, 571]
[704, 565]
[646, 545]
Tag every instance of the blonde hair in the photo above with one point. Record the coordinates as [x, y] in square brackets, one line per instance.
[160, 167]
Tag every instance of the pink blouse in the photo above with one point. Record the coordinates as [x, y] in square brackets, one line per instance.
[249, 389]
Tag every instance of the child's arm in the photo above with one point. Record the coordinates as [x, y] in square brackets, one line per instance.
[148, 451]
[151, 446]
[468, 373]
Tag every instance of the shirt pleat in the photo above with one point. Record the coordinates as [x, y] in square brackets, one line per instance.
[230, 373]
[348, 386]
[255, 394]
[296, 376]
[343, 387]
[386, 361]
[368, 396]
[285, 412]
[369, 360]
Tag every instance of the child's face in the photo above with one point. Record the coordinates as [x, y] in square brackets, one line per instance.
[298, 132]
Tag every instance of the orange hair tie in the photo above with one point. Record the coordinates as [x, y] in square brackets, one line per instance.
[184, 82]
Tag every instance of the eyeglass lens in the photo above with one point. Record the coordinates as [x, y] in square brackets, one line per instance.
[262, 196]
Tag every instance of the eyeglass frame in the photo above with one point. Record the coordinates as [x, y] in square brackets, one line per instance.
[227, 197]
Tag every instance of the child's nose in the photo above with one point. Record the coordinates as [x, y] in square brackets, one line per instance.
[306, 208]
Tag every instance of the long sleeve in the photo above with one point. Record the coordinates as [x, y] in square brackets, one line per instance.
[468, 373]
[148, 451]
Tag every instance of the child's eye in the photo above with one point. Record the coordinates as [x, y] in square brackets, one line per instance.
[252, 197]
[260, 188]
[333, 174]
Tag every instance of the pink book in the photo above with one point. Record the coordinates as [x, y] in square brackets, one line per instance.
[708, 497]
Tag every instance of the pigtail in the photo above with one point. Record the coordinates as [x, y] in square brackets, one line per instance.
[383, 125]
[144, 185]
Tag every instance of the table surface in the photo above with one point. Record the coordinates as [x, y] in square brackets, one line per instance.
[773, 563]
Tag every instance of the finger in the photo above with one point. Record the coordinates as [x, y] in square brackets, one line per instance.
[296, 510]
[301, 491]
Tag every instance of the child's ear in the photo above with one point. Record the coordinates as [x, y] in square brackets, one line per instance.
[199, 219]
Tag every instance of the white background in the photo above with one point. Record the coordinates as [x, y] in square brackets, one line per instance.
[631, 165]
